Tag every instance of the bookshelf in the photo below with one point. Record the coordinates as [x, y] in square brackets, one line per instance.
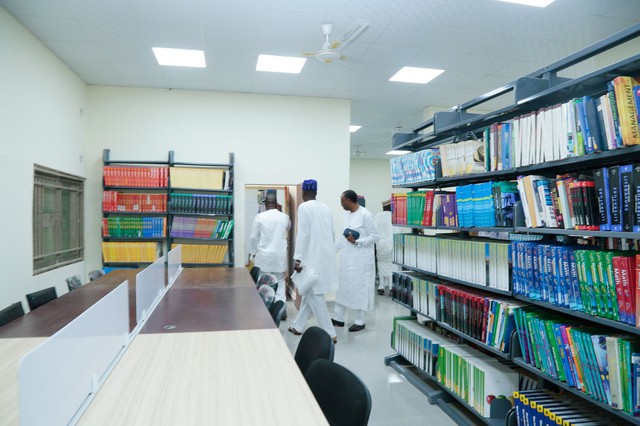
[201, 211]
[535, 94]
[150, 206]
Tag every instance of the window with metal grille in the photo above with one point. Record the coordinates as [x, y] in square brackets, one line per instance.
[58, 224]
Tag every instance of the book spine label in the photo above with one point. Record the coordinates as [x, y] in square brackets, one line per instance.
[627, 197]
[616, 198]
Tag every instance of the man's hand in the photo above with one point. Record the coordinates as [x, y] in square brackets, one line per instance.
[350, 238]
[297, 266]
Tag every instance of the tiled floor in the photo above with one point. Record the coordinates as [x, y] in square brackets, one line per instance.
[395, 400]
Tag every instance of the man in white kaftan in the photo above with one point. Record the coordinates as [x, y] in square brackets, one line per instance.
[315, 249]
[269, 243]
[384, 247]
[357, 274]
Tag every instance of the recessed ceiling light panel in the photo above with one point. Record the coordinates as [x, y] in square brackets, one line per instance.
[354, 128]
[398, 152]
[286, 64]
[537, 3]
[179, 57]
[416, 75]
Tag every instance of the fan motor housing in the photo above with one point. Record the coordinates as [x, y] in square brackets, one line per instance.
[327, 55]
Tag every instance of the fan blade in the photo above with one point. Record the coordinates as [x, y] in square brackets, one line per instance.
[356, 30]
[309, 53]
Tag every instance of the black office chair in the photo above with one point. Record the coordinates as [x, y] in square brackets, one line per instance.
[10, 313]
[255, 273]
[343, 398]
[74, 282]
[315, 343]
[95, 274]
[277, 310]
[39, 298]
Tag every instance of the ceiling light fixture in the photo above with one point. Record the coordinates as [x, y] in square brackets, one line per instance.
[398, 152]
[353, 128]
[416, 75]
[285, 64]
[179, 57]
[536, 3]
[357, 153]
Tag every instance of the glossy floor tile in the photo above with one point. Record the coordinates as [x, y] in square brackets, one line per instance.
[395, 400]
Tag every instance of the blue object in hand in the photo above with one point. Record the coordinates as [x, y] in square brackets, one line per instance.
[355, 234]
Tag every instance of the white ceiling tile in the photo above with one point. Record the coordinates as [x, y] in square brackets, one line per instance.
[479, 43]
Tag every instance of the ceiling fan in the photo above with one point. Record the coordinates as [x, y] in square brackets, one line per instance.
[330, 50]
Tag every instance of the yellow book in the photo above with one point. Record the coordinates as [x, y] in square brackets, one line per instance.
[627, 114]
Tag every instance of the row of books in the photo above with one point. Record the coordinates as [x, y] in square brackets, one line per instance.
[160, 176]
[203, 253]
[414, 167]
[548, 408]
[578, 127]
[196, 227]
[114, 201]
[486, 205]
[601, 365]
[130, 252]
[486, 263]
[484, 318]
[424, 208]
[199, 178]
[475, 377]
[597, 282]
[201, 203]
[136, 176]
[134, 227]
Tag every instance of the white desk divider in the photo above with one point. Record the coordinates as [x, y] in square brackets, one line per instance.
[59, 378]
[150, 287]
[174, 265]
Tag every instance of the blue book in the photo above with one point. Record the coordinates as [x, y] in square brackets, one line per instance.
[636, 190]
[601, 180]
[614, 114]
[581, 116]
[593, 133]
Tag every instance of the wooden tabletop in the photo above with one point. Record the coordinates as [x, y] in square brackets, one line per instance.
[46, 320]
[222, 378]
[214, 278]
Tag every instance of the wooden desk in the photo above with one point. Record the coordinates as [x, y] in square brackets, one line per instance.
[222, 378]
[23, 334]
[224, 363]
[50, 318]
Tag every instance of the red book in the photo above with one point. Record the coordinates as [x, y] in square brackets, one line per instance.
[428, 208]
[618, 264]
[637, 276]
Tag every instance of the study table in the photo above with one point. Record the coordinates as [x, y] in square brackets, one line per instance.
[209, 353]
[25, 333]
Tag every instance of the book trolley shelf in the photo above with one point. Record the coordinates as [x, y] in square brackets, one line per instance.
[531, 93]
[150, 206]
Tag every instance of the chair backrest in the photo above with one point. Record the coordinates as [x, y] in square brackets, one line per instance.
[95, 274]
[315, 343]
[255, 273]
[277, 311]
[11, 312]
[343, 398]
[39, 298]
[74, 282]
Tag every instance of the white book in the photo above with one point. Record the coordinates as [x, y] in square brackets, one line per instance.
[564, 131]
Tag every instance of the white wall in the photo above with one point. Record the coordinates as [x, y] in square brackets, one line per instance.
[41, 123]
[372, 178]
[275, 139]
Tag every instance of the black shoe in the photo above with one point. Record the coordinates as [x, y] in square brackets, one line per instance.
[356, 327]
[337, 323]
[284, 317]
[381, 291]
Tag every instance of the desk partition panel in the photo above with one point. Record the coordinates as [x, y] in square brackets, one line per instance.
[150, 285]
[174, 264]
[58, 377]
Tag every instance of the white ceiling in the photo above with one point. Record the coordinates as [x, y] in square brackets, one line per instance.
[481, 45]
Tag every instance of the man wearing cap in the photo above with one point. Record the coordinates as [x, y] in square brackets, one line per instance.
[315, 250]
[269, 242]
[357, 263]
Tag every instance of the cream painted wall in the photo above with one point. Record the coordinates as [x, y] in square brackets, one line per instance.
[372, 178]
[275, 139]
[41, 123]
